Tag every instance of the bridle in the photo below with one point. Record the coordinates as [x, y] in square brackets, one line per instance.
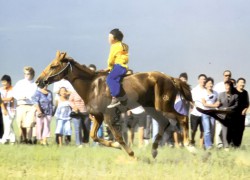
[62, 71]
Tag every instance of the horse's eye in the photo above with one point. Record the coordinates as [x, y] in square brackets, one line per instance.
[53, 66]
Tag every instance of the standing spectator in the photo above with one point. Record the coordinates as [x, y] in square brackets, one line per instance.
[57, 85]
[25, 111]
[1, 120]
[228, 101]
[181, 106]
[79, 118]
[219, 88]
[43, 101]
[136, 116]
[8, 108]
[209, 100]
[236, 129]
[195, 117]
[62, 115]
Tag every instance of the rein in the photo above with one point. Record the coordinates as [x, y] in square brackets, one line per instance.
[60, 72]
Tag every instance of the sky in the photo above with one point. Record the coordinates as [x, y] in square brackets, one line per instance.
[170, 36]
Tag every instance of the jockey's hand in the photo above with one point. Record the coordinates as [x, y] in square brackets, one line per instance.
[105, 70]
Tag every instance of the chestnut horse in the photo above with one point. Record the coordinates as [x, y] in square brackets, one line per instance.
[154, 91]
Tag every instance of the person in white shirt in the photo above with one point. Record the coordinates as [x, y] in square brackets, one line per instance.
[220, 87]
[25, 111]
[195, 115]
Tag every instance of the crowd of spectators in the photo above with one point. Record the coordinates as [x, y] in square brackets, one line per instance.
[33, 109]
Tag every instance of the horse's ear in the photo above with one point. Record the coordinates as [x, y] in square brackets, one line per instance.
[58, 53]
[63, 55]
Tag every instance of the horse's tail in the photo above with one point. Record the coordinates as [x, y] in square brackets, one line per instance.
[183, 88]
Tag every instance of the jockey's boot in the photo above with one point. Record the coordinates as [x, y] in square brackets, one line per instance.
[115, 102]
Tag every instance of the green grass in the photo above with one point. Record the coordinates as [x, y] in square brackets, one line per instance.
[69, 162]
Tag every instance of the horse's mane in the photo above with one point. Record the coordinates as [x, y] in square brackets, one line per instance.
[83, 68]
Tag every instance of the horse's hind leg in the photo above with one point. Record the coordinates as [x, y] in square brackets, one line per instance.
[97, 121]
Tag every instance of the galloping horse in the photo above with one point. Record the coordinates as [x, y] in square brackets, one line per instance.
[154, 91]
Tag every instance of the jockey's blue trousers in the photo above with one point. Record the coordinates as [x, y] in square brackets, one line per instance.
[114, 79]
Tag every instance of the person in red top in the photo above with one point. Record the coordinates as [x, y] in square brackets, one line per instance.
[80, 119]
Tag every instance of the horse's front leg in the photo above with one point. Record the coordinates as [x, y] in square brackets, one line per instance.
[97, 121]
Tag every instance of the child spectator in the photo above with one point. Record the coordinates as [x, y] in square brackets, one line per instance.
[62, 115]
[8, 109]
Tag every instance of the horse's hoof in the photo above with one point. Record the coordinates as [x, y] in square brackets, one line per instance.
[191, 149]
[131, 154]
[154, 153]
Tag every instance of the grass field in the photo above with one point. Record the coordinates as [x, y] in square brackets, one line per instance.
[69, 162]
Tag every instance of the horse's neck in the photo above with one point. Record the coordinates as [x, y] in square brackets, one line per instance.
[82, 87]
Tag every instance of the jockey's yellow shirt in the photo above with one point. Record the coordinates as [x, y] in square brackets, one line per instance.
[118, 55]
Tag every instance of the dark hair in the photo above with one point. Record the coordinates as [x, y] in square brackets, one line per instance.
[204, 75]
[61, 89]
[241, 78]
[209, 79]
[6, 78]
[117, 34]
[233, 81]
[230, 83]
[184, 75]
[228, 72]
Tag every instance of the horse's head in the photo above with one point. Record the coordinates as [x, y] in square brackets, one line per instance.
[55, 71]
